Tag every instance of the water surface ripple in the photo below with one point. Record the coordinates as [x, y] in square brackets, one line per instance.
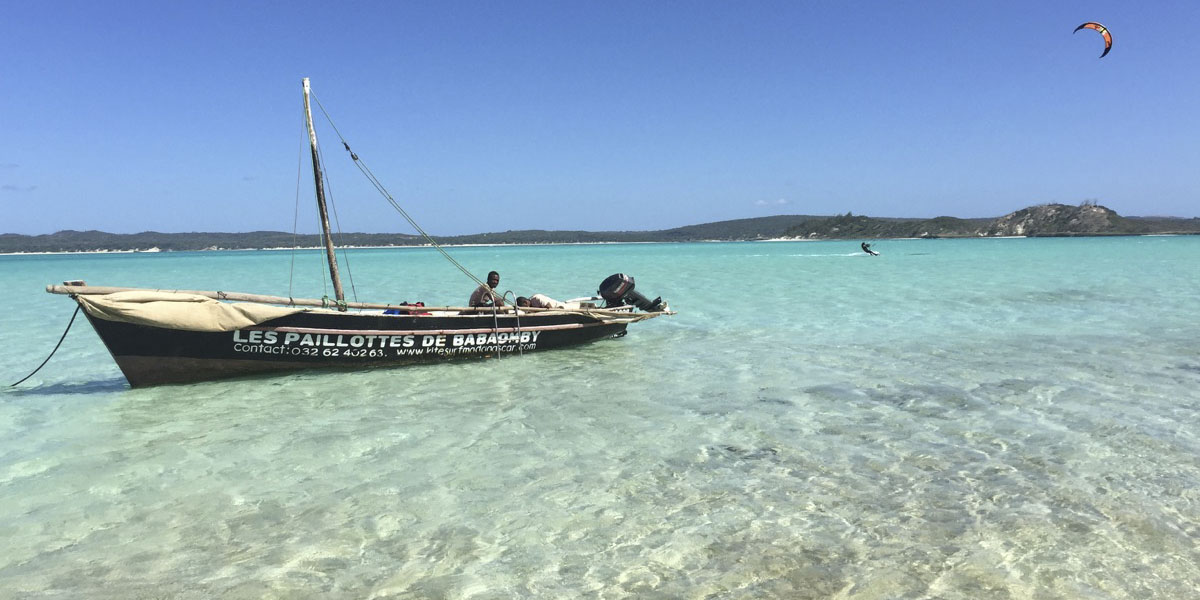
[957, 419]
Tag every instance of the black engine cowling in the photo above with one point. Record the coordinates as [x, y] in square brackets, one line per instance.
[617, 290]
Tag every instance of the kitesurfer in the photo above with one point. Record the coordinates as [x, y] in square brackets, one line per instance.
[867, 248]
[485, 295]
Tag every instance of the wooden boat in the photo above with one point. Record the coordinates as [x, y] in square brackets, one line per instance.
[181, 336]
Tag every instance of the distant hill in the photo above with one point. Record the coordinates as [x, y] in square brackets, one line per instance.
[740, 229]
[1047, 220]
[1043, 220]
[85, 241]
[859, 226]
[1060, 219]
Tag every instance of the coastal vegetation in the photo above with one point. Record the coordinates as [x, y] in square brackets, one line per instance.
[1036, 221]
[1046, 220]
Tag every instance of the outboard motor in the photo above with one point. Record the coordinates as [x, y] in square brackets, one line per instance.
[617, 290]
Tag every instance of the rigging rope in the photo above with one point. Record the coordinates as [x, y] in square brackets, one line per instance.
[60, 341]
[296, 216]
[296, 219]
[362, 167]
[340, 235]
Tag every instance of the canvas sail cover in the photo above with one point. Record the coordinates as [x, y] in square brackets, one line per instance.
[187, 312]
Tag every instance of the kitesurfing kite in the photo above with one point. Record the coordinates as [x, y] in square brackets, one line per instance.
[1103, 31]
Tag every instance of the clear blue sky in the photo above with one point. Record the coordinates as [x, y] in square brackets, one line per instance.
[490, 116]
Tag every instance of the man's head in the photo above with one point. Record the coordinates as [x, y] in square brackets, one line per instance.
[493, 279]
[522, 301]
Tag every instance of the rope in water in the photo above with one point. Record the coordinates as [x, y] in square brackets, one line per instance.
[60, 341]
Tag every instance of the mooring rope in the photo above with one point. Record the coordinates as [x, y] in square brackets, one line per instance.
[60, 341]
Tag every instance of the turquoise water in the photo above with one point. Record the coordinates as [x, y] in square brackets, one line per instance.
[1000, 418]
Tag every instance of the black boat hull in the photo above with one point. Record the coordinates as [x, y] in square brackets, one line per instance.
[149, 355]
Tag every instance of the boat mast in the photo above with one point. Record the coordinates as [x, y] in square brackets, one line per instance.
[316, 161]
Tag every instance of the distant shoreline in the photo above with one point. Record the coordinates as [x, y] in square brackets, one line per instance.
[767, 240]
[322, 248]
[1046, 220]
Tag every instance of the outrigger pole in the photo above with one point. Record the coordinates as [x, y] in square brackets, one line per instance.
[319, 181]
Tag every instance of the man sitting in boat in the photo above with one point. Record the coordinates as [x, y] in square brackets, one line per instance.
[485, 295]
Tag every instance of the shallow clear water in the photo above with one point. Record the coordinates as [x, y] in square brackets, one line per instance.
[1001, 418]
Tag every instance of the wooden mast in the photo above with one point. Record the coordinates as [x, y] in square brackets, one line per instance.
[316, 162]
